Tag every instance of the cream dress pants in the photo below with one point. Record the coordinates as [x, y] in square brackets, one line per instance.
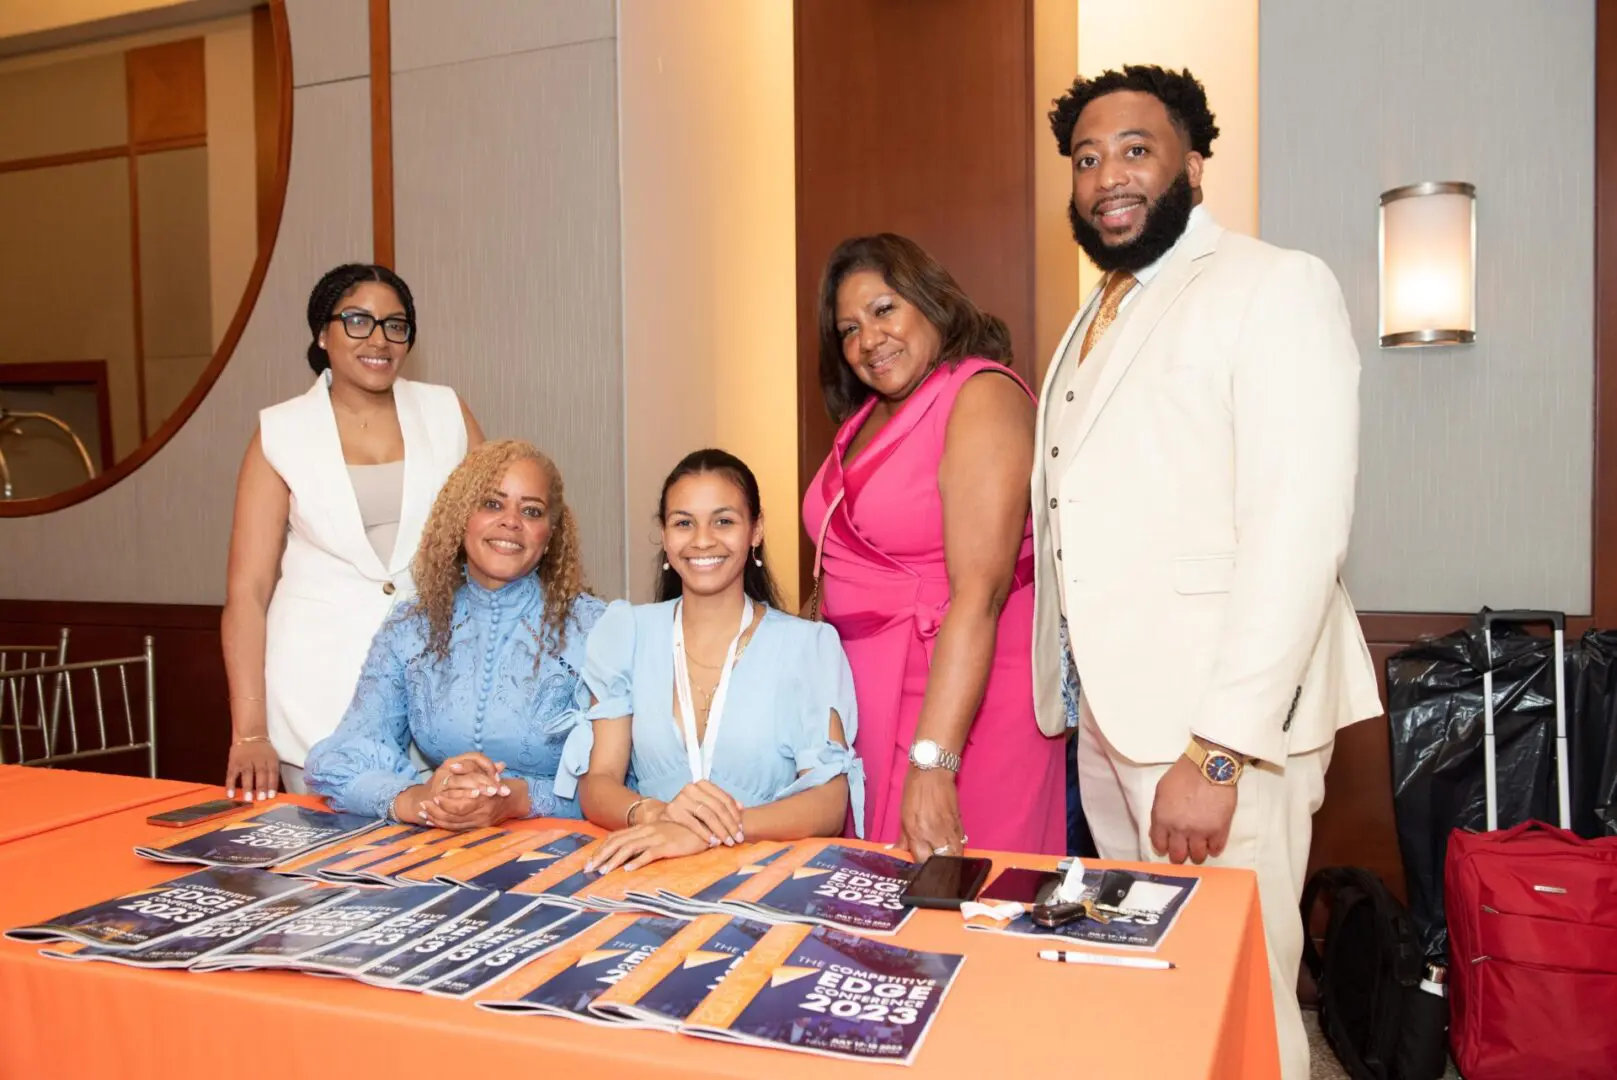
[1269, 835]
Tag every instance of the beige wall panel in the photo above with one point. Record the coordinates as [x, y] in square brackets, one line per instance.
[63, 108]
[65, 277]
[1475, 462]
[168, 380]
[427, 33]
[1218, 41]
[175, 287]
[232, 171]
[709, 248]
[173, 514]
[506, 195]
[331, 40]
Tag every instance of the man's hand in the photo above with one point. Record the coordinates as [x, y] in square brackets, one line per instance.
[1190, 816]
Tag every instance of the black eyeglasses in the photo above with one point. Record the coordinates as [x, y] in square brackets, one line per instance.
[359, 324]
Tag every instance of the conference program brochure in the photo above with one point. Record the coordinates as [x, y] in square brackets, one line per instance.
[790, 986]
[159, 912]
[263, 839]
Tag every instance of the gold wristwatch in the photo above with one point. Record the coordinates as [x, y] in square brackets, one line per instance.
[1217, 766]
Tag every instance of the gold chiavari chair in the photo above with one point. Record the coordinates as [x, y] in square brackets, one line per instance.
[79, 691]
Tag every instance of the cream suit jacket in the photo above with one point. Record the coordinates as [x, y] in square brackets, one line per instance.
[1205, 512]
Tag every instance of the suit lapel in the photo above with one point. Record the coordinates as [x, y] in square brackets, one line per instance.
[418, 462]
[342, 505]
[1117, 350]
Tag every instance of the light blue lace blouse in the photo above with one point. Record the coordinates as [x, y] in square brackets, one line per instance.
[499, 692]
[776, 721]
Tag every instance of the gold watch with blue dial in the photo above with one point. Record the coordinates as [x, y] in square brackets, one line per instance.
[1216, 766]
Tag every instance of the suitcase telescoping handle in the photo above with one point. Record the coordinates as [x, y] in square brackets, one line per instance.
[1557, 623]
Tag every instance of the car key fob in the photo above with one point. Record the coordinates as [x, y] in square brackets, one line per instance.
[1051, 911]
[1114, 886]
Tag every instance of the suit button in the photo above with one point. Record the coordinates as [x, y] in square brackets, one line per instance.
[1058, 554]
[1055, 451]
[1069, 395]
[388, 589]
[1052, 504]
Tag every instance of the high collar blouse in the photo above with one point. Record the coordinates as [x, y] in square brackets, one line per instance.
[504, 690]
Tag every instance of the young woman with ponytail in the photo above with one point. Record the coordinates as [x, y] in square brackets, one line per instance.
[715, 717]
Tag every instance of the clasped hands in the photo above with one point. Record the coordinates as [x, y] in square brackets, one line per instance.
[465, 792]
[701, 816]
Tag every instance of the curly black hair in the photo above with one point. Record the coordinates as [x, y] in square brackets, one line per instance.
[337, 283]
[1180, 93]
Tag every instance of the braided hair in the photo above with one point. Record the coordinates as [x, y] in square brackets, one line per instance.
[338, 283]
[756, 580]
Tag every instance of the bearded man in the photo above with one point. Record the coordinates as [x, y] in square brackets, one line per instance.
[1192, 498]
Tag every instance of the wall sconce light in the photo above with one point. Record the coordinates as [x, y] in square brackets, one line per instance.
[1429, 264]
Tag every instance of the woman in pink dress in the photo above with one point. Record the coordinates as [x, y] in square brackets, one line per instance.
[925, 556]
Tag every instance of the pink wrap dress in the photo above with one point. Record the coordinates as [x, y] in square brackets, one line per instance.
[885, 588]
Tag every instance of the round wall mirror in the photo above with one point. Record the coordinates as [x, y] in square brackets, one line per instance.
[143, 162]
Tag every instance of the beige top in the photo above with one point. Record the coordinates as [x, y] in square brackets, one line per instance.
[379, 489]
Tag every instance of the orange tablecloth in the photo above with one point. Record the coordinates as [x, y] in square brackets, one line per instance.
[1009, 1014]
[35, 800]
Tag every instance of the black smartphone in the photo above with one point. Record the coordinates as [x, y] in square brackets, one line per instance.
[196, 813]
[1019, 885]
[946, 881]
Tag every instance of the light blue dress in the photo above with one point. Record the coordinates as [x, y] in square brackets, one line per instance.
[500, 691]
[776, 722]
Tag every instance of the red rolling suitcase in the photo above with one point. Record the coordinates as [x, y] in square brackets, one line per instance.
[1532, 916]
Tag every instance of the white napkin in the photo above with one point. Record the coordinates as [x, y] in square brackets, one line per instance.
[1071, 889]
[1002, 911]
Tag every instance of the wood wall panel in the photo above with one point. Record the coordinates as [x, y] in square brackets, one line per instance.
[193, 699]
[168, 96]
[916, 117]
[1604, 588]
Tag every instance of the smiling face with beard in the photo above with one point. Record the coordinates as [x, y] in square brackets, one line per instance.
[1133, 181]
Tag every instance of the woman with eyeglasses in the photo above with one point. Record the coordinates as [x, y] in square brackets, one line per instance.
[330, 503]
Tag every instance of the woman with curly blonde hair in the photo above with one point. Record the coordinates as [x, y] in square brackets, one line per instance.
[482, 669]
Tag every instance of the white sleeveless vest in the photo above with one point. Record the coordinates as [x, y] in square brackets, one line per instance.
[334, 592]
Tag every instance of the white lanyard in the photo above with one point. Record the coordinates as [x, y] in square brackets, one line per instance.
[700, 753]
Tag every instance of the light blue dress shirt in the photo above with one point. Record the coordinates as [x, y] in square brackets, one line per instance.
[504, 690]
[776, 721]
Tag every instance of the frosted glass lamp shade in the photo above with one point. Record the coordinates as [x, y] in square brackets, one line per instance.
[1429, 265]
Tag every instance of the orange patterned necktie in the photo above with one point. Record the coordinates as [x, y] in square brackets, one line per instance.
[1117, 287]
